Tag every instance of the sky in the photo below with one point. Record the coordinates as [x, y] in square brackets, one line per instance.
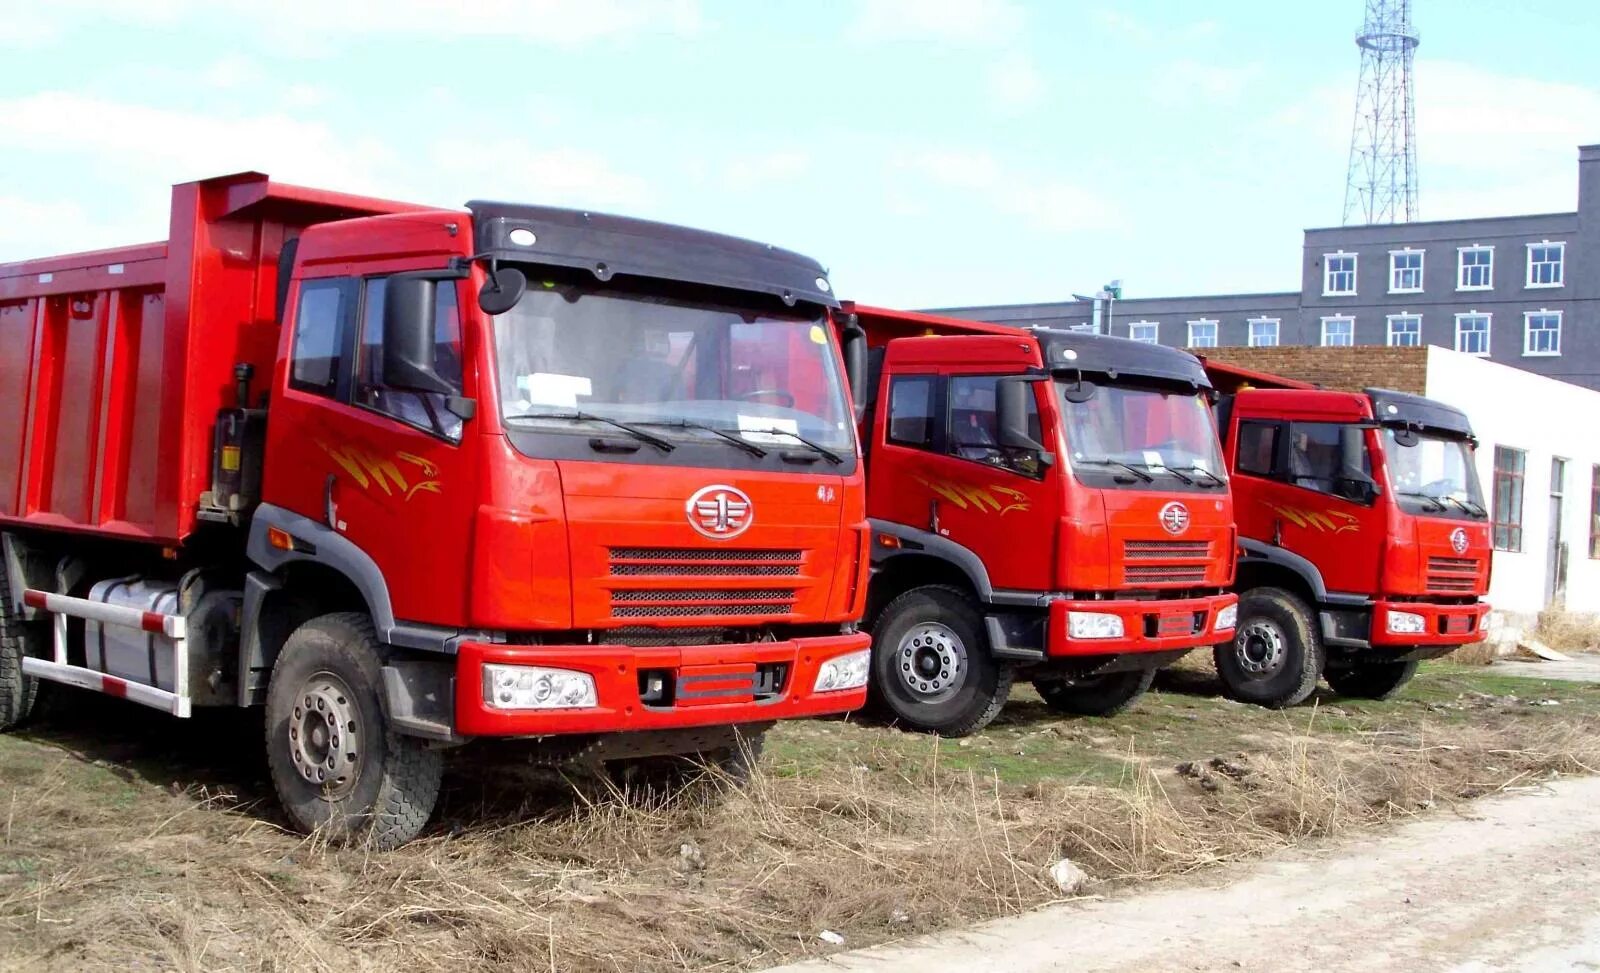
[928, 152]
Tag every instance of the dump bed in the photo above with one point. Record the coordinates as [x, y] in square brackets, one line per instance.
[113, 364]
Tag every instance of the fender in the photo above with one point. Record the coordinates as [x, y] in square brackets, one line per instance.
[1302, 568]
[915, 541]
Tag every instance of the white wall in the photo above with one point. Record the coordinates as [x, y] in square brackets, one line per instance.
[1546, 418]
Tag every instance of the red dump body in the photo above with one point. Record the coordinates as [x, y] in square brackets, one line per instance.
[117, 361]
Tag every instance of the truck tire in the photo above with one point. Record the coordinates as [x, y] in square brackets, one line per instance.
[1105, 695]
[931, 666]
[1370, 680]
[18, 639]
[337, 766]
[1275, 657]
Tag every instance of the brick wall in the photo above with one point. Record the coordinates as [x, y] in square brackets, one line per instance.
[1352, 369]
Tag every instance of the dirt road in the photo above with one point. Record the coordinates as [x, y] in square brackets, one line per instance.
[1510, 883]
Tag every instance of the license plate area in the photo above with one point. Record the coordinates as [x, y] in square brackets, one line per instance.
[717, 684]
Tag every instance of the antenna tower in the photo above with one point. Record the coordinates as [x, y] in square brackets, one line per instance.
[1382, 185]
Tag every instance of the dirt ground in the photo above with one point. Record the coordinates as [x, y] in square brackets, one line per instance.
[133, 841]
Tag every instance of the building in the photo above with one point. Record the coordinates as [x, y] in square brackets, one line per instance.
[1541, 482]
[1519, 290]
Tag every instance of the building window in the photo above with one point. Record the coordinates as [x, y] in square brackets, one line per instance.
[1405, 271]
[1546, 264]
[1541, 332]
[1338, 332]
[1145, 331]
[1509, 465]
[1338, 274]
[1472, 333]
[1263, 332]
[1594, 512]
[1475, 268]
[1202, 334]
[1405, 330]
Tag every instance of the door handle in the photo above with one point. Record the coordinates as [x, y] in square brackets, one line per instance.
[330, 510]
[933, 518]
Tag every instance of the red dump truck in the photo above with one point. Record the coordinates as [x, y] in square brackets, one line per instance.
[408, 477]
[1364, 542]
[1045, 505]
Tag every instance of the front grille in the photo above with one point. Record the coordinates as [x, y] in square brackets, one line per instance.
[706, 555]
[679, 569]
[1165, 573]
[721, 570]
[1453, 574]
[661, 596]
[696, 611]
[1163, 550]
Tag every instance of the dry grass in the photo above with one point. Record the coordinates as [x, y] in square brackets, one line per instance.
[1569, 631]
[1475, 654]
[156, 850]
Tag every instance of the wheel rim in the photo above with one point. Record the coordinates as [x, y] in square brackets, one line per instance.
[325, 735]
[1259, 647]
[932, 662]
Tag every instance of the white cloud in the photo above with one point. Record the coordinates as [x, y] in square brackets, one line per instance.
[1014, 83]
[756, 171]
[1042, 202]
[1186, 81]
[959, 21]
[516, 170]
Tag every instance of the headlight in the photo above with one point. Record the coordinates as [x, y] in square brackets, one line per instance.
[848, 671]
[1094, 625]
[535, 687]
[1406, 623]
[1227, 618]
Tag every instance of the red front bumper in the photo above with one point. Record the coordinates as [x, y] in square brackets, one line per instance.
[1148, 626]
[615, 669]
[1442, 624]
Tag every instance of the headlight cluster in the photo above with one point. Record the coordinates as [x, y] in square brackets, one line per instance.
[1094, 625]
[536, 687]
[1406, 623]
[1227, 618]
[848, 671]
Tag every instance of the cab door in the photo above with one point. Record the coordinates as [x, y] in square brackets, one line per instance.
[1299, 486]
[388, 469]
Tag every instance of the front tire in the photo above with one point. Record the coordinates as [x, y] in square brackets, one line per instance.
[931, 664]
[1105, 695]
[18, 639]
[1276, 655]
[338, 768]
[1371, 680]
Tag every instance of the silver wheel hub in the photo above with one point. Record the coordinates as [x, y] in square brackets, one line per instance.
[325, 735]
[1259, 647]
[931, 661]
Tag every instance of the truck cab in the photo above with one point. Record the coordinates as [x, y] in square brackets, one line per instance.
[1045, 505]
[1364, 540]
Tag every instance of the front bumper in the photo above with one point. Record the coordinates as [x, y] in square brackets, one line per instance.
[1148, 626]
[1442, 624]
[725, 677]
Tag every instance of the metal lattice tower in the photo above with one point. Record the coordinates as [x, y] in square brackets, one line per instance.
[1382, 186]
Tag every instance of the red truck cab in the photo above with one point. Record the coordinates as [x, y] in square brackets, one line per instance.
[1045, 505]
[1364, 539]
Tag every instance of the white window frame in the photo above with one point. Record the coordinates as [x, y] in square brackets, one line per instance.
[1328, 272]
[1461, 268]
[1351, 318]
[1216, 332]
[1422, 260]
[1527, 333]
[1392, 318]
[1488, 332]
[1561, 263]
[1277, 332]
[1155, 331]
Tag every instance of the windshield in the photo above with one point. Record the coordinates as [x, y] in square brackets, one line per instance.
[1435, 472]
[1153, 431]
[570, 356]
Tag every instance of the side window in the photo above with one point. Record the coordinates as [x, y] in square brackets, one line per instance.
[911, 412]
[975, 431]
[1329, 458]
[425, 410]
[321, 324]
[1258, 444]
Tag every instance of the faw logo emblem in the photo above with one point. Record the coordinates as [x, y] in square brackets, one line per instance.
[1175, 517]
[719, 512]
[1458, 541]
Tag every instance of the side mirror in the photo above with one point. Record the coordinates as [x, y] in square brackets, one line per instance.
[1079, 392]
[1406, 436]
[1359, 487]
[1011, 414]
[854, 347]
[502, 290]
[408, 336]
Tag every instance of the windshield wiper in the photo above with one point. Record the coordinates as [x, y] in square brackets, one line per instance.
[1175, 471]
[1108, 461]
[1437, 503]
[629, 428]
[738, 441]
[1466, 505]
[1215, 479]
[821, 450]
